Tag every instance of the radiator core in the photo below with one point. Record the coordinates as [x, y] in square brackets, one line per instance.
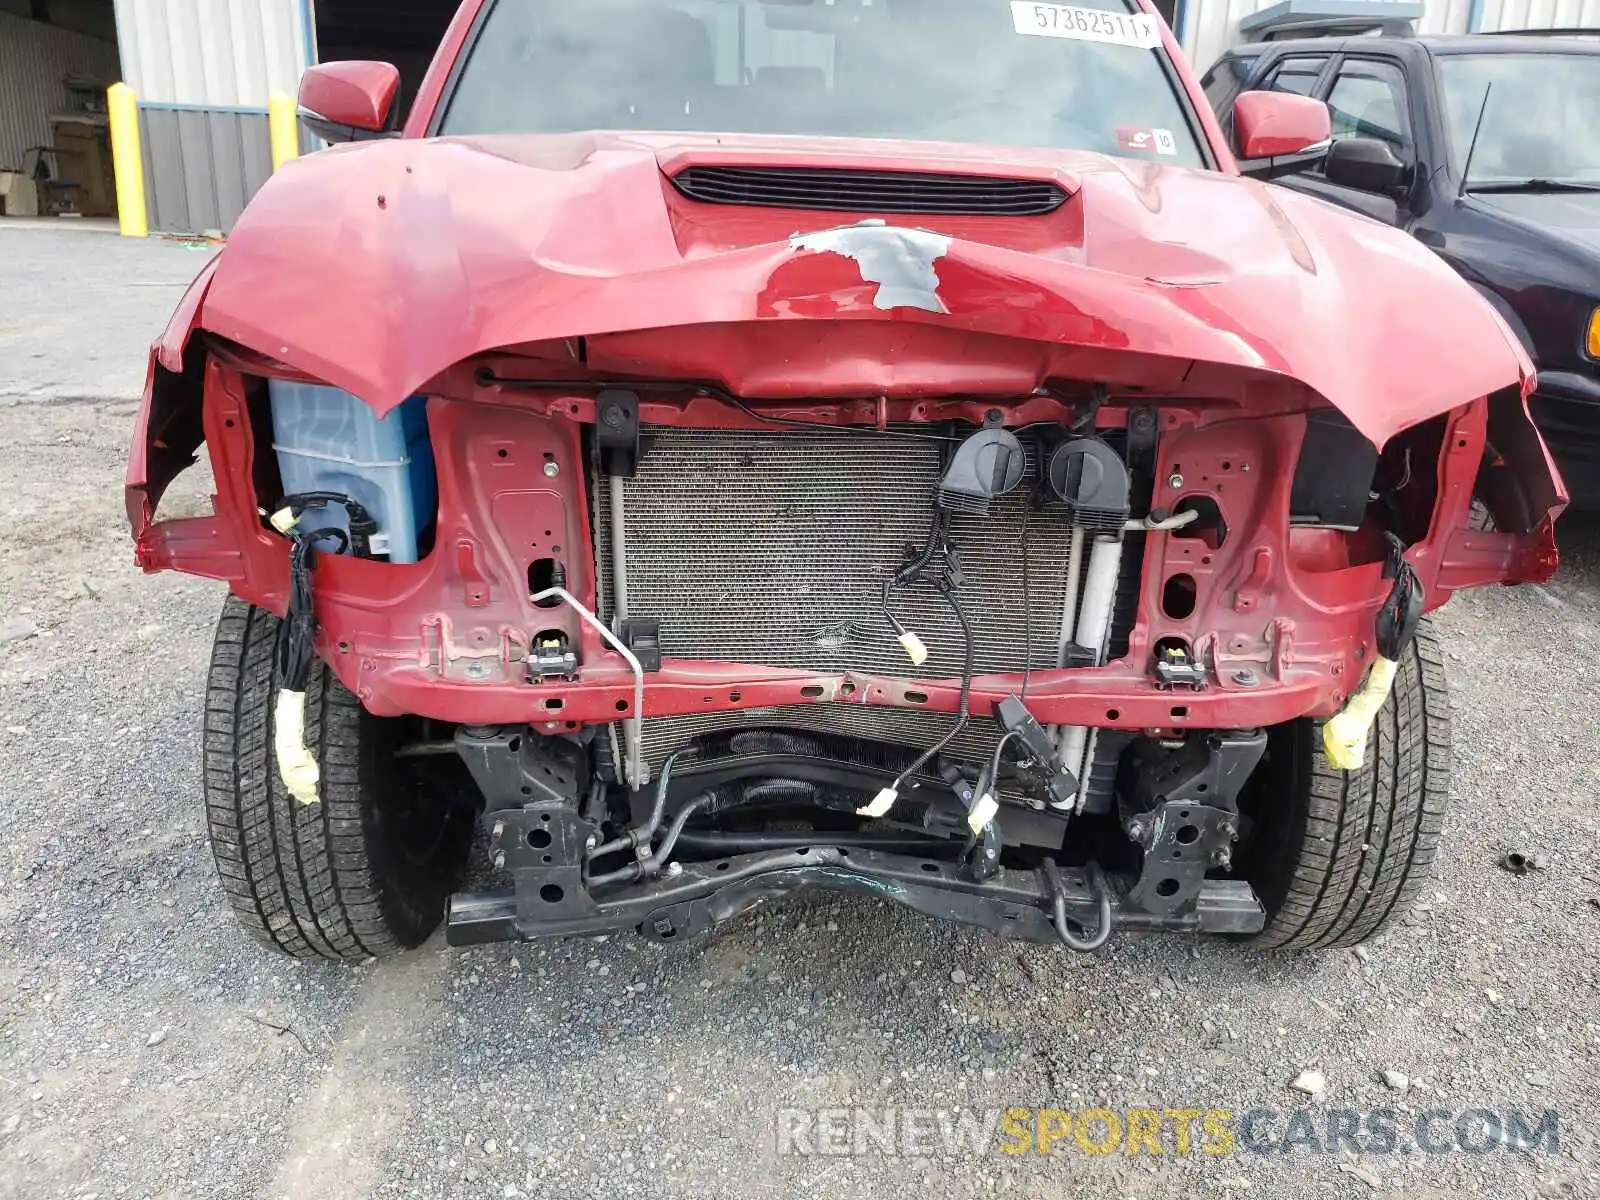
[771, 548]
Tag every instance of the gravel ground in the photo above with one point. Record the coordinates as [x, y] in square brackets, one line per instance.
[148, 1049]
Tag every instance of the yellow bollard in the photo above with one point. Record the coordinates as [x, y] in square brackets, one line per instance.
[127, 160]
[283, 117]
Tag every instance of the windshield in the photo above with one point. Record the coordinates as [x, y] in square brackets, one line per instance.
[987, 71]
[1541, 123]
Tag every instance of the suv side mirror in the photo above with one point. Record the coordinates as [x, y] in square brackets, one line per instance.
[350, 101]
[1279, 124]
[1367, 164]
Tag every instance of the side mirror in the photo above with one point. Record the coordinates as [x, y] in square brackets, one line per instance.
[350, 101]
[1367, 164]
[1278, 132]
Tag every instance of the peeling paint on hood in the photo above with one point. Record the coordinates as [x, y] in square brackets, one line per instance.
[900, 261]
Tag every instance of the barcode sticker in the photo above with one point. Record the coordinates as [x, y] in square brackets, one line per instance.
[1085, 24]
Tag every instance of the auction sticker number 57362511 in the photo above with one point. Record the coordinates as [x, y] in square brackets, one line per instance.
[1085, 24]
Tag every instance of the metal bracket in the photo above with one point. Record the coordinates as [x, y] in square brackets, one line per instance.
[643, 637]
[616, 432]
[1184, 812]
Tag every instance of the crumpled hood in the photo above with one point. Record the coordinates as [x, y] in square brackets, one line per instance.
[377, 266]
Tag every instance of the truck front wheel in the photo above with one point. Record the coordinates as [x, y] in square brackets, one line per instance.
[364, 872]
[1336, 855]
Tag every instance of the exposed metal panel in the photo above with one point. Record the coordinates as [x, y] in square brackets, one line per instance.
[201, 168]
[34, 58]
[1540, 14]
[212, 53]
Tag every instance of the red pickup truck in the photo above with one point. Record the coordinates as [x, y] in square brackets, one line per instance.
[713, 449]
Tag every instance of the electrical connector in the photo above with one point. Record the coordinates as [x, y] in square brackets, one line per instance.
[283, 520]
[984, 810]
[881, 803]
[916, 649]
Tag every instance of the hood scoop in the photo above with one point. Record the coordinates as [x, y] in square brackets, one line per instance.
[856, 191]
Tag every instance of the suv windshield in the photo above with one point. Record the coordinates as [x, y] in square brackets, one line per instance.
[1025, 74]
[1541, 121]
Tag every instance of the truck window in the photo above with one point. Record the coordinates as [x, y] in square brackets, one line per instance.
[1092, 76]
[1297, 73]
[1368, 99]
[1225, 79]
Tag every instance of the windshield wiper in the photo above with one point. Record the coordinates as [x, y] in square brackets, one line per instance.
[1533, 186]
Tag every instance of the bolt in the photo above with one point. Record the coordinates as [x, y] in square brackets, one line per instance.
[1223, 858]
[1136, 831]
[1228, 829]
[613, 417]
[551, 470]
[476, 670]
[1245, 467]
[498, 831]
[590, 843]
[1245, 677]
[674, 870]
[499, 862]
[1175, 480]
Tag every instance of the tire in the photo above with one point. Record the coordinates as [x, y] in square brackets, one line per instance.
[1337, 855]
[365, 872]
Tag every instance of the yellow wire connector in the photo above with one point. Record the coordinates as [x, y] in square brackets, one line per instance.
[1344, 737]
[916, 651]
[982, 812]
[881, 803]
[283, 520]
[295, 764]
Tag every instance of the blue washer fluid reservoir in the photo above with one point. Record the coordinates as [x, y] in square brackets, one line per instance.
[328, 441]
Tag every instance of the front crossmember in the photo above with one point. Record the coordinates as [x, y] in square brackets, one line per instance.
[701, 895]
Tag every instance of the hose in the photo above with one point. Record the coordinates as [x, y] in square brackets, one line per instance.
[651, 864]
[641, 835]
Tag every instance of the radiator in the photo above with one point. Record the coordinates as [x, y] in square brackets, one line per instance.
[771, 548]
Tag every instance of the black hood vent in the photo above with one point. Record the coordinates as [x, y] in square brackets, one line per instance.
[870, 191]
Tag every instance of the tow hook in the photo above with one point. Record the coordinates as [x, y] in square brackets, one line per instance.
[1057, 889]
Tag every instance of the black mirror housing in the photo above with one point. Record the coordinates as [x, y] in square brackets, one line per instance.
[1286, 164]
[1366, 164]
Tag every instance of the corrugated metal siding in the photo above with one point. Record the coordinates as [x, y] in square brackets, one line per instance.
[201, 168]
[33, 59]
[1445, 16]
[1211, 26]
[1540, 14]
[212, 53]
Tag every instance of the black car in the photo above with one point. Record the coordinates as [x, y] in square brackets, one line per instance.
[1487, 148]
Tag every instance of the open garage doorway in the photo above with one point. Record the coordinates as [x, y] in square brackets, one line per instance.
[57, 57]
[403, 32]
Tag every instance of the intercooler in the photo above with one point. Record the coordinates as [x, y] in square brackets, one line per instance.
[771, 548]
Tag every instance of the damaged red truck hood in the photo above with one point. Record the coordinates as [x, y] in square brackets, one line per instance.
[375, 267]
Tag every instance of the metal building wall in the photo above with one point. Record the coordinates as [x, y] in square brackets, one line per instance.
[203, 71]
[1539, 14]
[33, 59]
[212, 53]
[201, 166]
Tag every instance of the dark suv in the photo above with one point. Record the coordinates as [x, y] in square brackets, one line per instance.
[1517, 212]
